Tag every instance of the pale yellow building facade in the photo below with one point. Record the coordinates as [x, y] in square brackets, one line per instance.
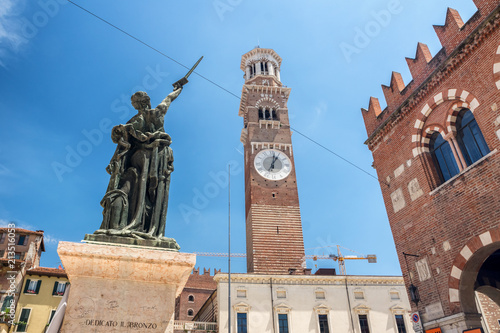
[41, 294]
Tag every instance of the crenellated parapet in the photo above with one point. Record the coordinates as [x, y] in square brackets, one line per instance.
[458, 40]
[451, 33]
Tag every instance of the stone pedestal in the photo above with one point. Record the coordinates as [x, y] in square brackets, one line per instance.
[122, 289]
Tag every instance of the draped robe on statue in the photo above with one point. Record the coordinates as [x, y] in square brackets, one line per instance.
[136, 201]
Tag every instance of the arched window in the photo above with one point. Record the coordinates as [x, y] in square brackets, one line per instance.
[190, 298]
[261, 114]
[445, 162]
[268, 116]
[469, 137]
[273, 115]
[190, 312]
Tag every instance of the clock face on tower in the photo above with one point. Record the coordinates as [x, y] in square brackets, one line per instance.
[272, 164]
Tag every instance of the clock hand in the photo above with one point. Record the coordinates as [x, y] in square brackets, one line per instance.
[272, 163]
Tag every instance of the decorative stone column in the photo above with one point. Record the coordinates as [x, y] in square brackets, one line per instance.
[247, 72]
[257, 68]
[119, 288]
[270, 66]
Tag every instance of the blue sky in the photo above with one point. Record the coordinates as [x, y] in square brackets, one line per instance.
[66, 78]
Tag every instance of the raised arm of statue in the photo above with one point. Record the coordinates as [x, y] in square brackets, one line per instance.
[166, 102]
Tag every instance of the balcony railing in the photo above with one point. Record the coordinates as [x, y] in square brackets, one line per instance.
[273, 124]
[195, 326]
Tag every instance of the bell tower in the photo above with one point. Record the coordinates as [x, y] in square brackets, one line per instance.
[273, 226]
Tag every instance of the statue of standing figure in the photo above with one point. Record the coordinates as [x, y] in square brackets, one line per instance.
[136, 200]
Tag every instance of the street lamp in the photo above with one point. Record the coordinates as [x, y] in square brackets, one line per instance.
[412, 289]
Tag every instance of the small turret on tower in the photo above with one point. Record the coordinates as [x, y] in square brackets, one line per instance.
[263, 63]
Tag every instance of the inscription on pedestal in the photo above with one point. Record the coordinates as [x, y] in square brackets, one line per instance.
[122, 289]
[106, 311]
[122, 324]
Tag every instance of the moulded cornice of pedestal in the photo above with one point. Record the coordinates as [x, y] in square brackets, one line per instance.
[125, 263]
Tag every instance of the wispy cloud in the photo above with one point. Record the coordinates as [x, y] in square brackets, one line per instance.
[4, 223]
[10, 27]
[317, 116]
[321, 108]
[50, 240]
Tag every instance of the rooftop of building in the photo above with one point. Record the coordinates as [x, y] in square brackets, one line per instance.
[47, 271]
[23, 231]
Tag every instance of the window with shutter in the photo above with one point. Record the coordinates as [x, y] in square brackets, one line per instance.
[23, 320]
[20, 240]
[27, 285]
[38, 286]
[32, 286]
[6, 302]
[52, 313]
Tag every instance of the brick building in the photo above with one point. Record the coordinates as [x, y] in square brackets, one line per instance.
[195, 293]
[20, 249]
[435, 149]
[273, 225]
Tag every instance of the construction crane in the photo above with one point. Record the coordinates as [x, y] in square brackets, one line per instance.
[372, 258]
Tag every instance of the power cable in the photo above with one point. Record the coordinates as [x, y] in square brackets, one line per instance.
[342, 158]
[221, 87]
[151, 47]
